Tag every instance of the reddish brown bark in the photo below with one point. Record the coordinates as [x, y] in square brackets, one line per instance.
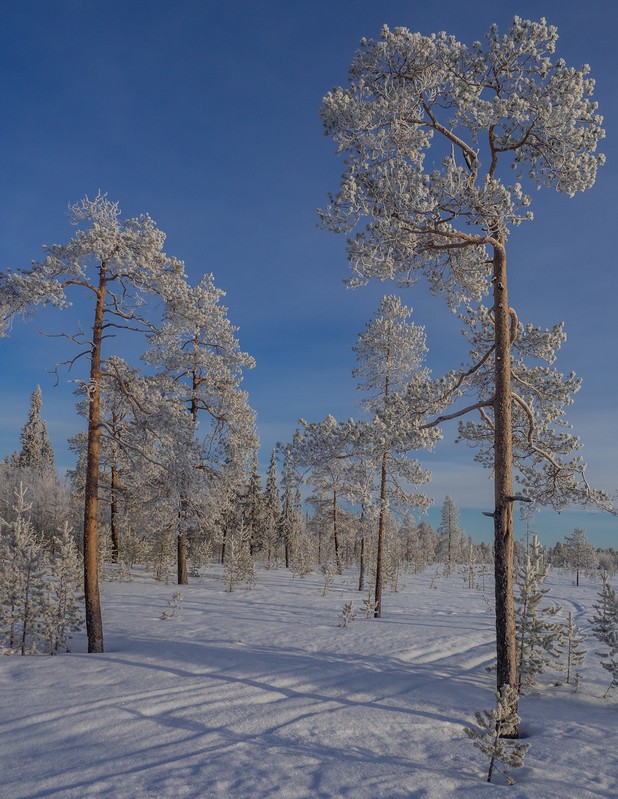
[503, 479]
[94, 621]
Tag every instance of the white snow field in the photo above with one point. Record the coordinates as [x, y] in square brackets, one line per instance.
[258, 693]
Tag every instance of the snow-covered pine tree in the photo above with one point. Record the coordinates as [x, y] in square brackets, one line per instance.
[538, 636]
[326, 449]
[495, 728]
[390, 353]
[116, 263]
[196, 347]
[605, 628]
[468, 131]
[579, 553]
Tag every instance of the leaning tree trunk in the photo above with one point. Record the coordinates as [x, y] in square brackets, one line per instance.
[503, 480]
[94, 621]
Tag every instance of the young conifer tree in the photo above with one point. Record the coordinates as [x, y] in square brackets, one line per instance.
[494, 728]
[36, 449]
[605, 628]
[441, 142]
[65, 613]
[450, 541]
[571, 649]
[24, 583]
[272, 511]
[538, 637]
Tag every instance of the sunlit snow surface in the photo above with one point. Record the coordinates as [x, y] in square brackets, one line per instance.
[259, 693]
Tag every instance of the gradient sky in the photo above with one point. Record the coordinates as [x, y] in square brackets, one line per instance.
[206, 116]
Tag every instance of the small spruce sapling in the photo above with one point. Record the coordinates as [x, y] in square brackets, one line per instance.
[369, 605]
[174, 605]
[23, 582]
[239, 565]
[572, 651]
[537, 636]
[493, 726]
[347, 614]
[328, 572]
[605, 629]
[65, 598]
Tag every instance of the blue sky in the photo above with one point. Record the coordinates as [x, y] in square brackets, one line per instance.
[206, 116]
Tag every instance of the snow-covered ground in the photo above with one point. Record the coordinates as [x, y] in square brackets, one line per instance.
[259, 693]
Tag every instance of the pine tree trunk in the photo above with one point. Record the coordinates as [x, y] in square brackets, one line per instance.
[361, 574]
[503, 481]
[114, 485]
[26, 616]
[381, 525]
[94, 621]
[336, 534]
[113, 515]
[223, 543]
[182, 570]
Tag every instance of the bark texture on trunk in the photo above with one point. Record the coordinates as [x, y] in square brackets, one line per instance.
[361, 571]
[182, 570]
[377, 613]
[336, 534]
[503, 480]
[113, 513]
[94, 621]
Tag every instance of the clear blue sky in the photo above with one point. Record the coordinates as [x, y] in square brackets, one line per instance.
[206, 115]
